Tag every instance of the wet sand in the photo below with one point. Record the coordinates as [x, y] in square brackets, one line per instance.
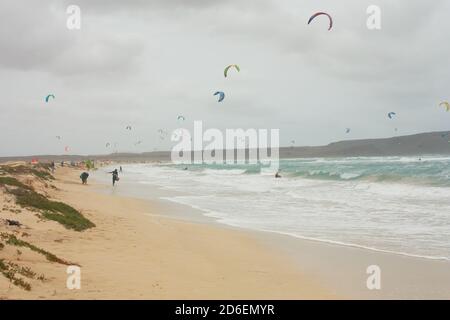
[146, 248]
[342, 270]
[135, 253]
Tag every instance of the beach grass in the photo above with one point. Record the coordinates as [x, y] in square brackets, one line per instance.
[24, 271]
[60, 212]
[10, 181]
[8, 270]
[69, 219]
[41, 171]
[12, 240]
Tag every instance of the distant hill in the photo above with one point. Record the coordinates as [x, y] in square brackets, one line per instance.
[432, 143]
[411, 145]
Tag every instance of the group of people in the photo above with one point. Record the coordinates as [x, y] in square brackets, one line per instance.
[115, 176]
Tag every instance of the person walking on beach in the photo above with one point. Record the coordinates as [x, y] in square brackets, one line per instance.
[115, 176]
[52, 166]
[84, 176]
[120, 169]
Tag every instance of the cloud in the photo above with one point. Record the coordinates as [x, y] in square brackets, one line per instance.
[34, 37]
[145, 62]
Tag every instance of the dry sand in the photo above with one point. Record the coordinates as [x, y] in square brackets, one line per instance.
[138, 250]
[134, 253]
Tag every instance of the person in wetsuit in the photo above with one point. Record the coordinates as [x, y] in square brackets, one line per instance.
[115, 176]
[84, 176]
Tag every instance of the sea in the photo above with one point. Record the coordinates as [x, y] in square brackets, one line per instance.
[398, 205]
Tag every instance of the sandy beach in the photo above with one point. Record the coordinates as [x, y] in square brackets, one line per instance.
[131, 254]
[135, 251]
[278, 150]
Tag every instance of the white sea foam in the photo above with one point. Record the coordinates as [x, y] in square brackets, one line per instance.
[350, 209]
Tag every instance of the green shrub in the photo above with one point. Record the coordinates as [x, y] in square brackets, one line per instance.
[53, 210]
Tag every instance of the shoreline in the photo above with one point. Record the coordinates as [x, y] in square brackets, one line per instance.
[303, 238]
[151, 248]
[136, 253]
[197, 214]
[405, 271]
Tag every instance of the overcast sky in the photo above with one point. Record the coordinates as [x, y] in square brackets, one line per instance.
[144, 62]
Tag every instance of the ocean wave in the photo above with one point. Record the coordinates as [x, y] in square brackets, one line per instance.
[224, 172]
[390, 206]
[224, 218]
[434, 171]
[325, 175]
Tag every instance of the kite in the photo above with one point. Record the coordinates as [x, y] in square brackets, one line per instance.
[48, 97]
[162, 134]
[391, 114]
[446, 105]
[108, 144]
[221, 95]
[319, 14]
[182, 118]
[58, 137]
[177, 134]
[225, 72]
[347, 130]
[128, 128]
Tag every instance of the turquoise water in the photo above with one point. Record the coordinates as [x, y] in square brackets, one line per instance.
[392, 204]
[425, 170]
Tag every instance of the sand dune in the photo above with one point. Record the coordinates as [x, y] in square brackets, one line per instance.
[134, 253]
